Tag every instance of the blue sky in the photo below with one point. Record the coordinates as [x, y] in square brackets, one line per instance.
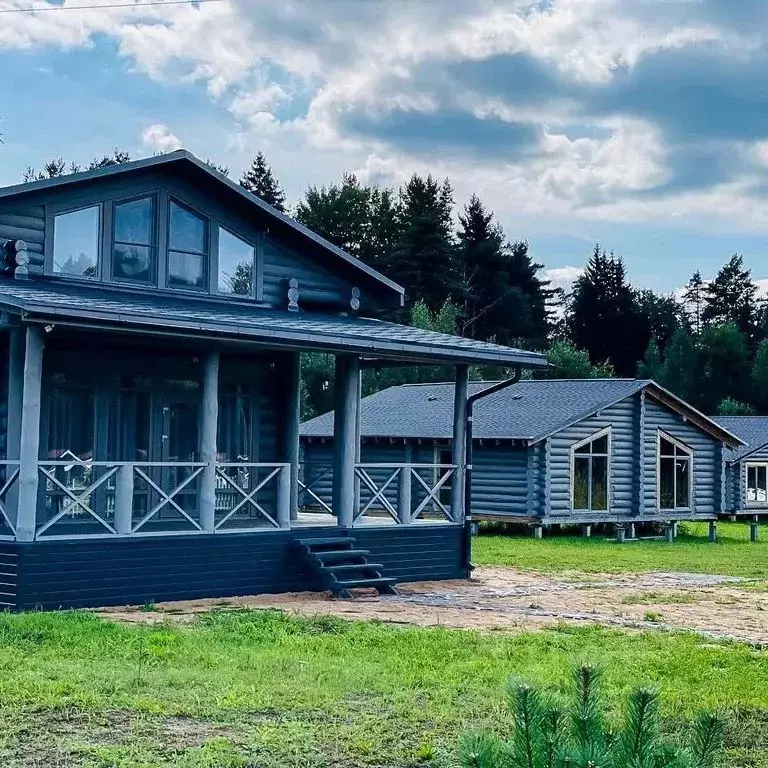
[642, 124]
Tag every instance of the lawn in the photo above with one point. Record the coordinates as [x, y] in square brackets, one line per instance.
[732, 555]
[239, 689]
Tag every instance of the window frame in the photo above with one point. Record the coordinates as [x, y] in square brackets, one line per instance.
[605, 432]
[210, 239]
[256, 279]
[52, 212]
[679, 445]
[109, 239]
[756, 465]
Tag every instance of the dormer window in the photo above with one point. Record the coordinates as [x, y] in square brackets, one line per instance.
[187, 249]
[76, 243]
[133, 250]
[236, 264]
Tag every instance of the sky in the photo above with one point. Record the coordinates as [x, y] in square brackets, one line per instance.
[639, 124]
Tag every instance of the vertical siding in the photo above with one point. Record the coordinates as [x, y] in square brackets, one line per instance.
[621, 418]
[706, 463]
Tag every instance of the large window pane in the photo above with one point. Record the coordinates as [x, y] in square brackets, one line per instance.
[236, 260]
[761, 485]
[682, 484]
[599, 483]
[70, 424]
[133, 262]
[76, 243]
[751, 484]
[666, 447]
[581, 482]
[133, 222]
[600, 445]
[186, 270]
[667, 483]
[187, 230]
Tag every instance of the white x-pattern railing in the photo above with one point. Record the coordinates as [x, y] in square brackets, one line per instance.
[7, 516]
[385, 480]
[314, 473]
[248, 497]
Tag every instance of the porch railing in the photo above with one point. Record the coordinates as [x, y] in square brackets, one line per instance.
[9, 478]
[386, 491]
[85, 498]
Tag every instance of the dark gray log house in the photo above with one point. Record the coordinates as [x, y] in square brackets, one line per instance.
[153, 316]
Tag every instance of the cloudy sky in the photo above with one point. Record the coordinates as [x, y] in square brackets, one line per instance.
[642, 124]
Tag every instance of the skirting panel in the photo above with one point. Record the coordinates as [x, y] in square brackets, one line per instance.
[99, 572]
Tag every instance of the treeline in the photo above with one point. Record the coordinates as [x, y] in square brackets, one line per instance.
[463, 275]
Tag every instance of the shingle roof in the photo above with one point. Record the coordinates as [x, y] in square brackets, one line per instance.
[184, 159]
[529, 410]
[753, 430]
[59, 302]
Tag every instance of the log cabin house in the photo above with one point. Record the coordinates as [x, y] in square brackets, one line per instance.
[153, 316]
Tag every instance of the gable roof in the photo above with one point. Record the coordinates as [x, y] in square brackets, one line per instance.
[59, 303]
[184, 159]
[753, 430]
[531, 410]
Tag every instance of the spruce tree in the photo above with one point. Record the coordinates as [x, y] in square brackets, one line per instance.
[693, 297]
[650, 366]
[424, 258]
[260, 180]
[732, 298]
[681, 368]
[604, 317]
[760, 377]
[724, 365]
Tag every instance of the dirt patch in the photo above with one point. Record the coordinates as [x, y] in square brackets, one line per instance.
[504, 599]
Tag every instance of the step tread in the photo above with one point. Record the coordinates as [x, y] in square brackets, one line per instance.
[383, 581]
[354, 567]
[340, 554]
[326, 542]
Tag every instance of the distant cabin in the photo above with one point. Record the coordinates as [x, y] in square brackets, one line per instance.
[746, 467]
[545, 452]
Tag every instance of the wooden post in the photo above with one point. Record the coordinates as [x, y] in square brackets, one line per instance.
[632, 531]
[713, 531]
[29, 442]
[404, 495]
[459, 445]
[344, 437]
[669, 533]
[124, 500]
[292, 423]
[538, 532]
[754, 529]
[358, 445]
[284, 497]
[15, 400]
[621, 533]
[208, 437]
[586, 531]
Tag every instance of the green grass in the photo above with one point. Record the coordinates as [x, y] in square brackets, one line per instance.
[239, 689]
[732, 555]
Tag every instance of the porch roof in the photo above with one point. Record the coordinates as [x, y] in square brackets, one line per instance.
[100, 307]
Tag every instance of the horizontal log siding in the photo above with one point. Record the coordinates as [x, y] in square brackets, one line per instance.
[621, 418]
[706, 497]
[25, 223]
[99, 572]
[500, 481]
[8, 575]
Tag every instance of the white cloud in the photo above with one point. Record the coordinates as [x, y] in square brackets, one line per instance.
[563, 277]
[159, 138]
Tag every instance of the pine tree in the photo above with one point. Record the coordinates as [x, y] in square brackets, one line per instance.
[732, 298]
[661, 314]
[604, 318]
[731, 407]
[724, 365]
[567, 362]
[650, 366]
[260, 180]
[760, 377]
[693, 297]
[424, 258]
[681, 368]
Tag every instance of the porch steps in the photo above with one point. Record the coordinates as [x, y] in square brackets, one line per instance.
[339, 567]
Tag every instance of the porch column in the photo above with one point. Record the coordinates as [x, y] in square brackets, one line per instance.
[29, 435]
[345, 437]
[459, 457]
[208, 436]
[13, 427]
[292, 422]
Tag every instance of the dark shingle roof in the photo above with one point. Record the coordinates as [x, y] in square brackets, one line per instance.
[57, 301]
[753, 430]
[529, 410]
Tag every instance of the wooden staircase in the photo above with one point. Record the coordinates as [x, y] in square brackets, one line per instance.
[339, 567]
